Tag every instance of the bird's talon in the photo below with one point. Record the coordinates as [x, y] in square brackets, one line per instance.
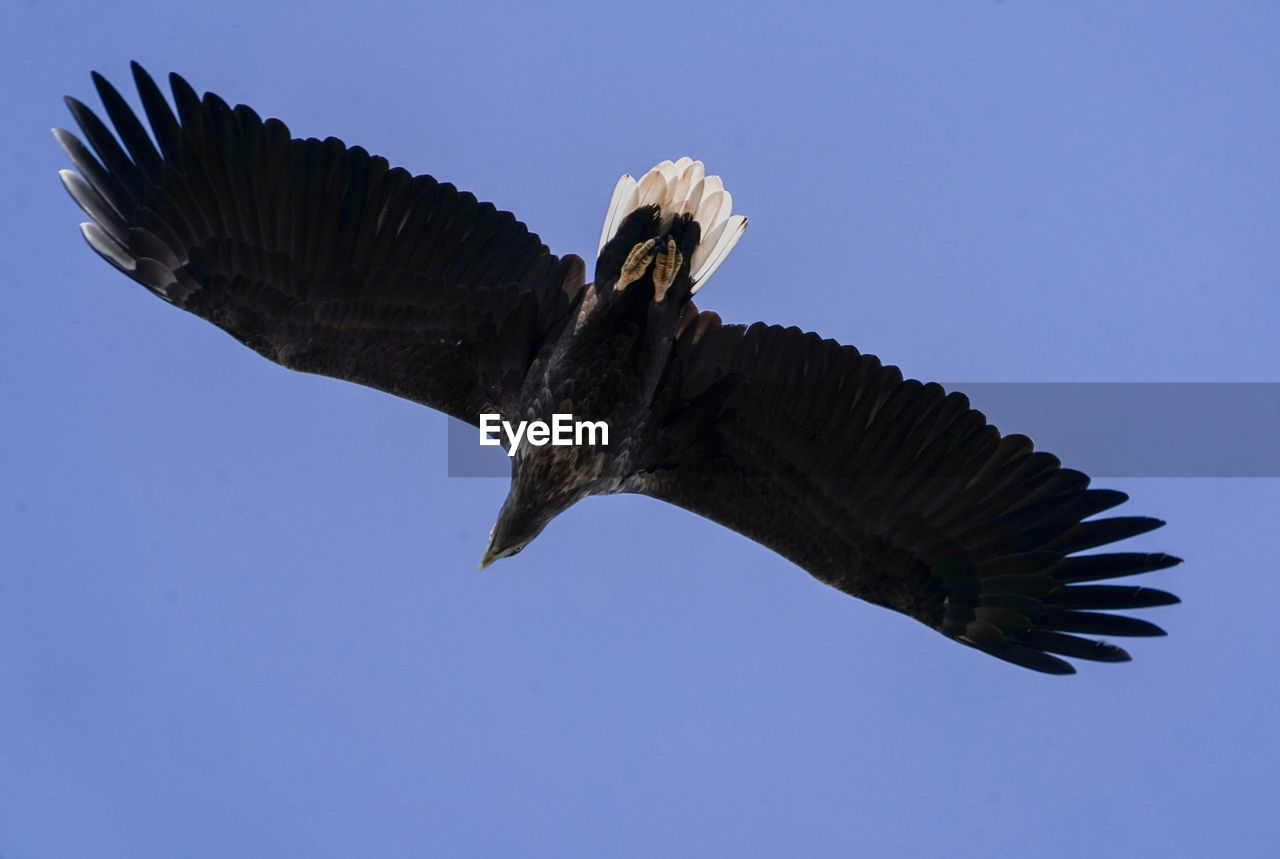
[637, 261]
[665, 270]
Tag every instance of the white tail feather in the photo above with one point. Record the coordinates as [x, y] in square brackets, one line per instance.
[729, 232]
[677, 188]
[621, 202]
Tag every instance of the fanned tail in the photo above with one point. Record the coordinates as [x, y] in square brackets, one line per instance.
[677, 188]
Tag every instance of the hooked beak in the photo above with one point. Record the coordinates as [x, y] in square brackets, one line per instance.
[489, 554]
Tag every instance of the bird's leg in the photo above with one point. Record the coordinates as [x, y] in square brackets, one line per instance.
[665, 268]
[633, 269]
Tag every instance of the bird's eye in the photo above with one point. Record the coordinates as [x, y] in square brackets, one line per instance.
[515, 551]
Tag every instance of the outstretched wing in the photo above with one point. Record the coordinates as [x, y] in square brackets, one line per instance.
[894, 492]
[320, 257]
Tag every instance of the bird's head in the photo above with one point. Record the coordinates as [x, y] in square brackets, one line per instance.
[543, 486]
[516, 527]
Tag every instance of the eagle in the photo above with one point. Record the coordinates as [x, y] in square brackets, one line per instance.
[326, 259]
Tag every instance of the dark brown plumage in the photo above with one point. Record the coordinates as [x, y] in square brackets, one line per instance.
[326, 259]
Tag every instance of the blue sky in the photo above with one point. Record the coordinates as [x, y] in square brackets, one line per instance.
[239, 609]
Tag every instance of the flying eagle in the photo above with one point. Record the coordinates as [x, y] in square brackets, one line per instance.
[328, 260]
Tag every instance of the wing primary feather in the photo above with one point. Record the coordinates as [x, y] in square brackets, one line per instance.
[1112, 597]
[1092, 568]
[1099, 532]
[1094, 623]
[131, 132]
[1069, 645]
[163, 123]
[88, 199]
[1027, 657]
[108, 248]
[124, 173]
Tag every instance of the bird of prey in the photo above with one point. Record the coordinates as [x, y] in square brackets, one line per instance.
[327, 260]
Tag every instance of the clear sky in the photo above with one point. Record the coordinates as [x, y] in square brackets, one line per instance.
[239, 609]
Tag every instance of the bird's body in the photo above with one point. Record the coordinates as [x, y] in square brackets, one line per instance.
[610, 359]
[327, 260]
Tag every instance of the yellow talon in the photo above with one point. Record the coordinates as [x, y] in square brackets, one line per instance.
[665, 269]
[633, 269]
